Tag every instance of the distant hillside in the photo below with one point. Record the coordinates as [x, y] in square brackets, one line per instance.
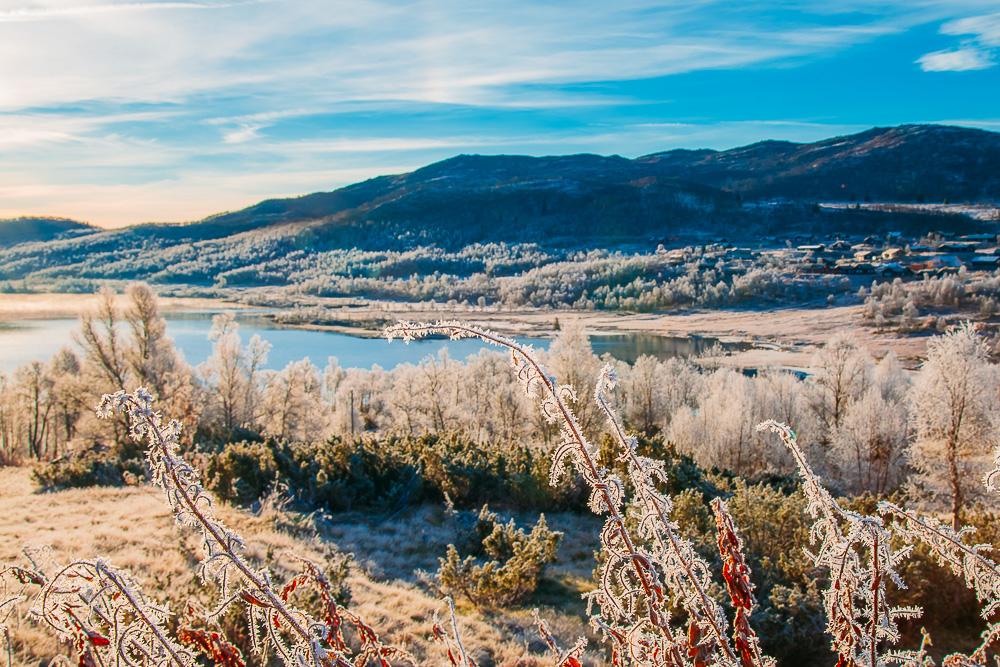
[911, 163]
[766, 191]
[577, 198]
[23, 230]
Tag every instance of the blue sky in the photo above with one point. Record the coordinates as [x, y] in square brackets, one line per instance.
[119, 111]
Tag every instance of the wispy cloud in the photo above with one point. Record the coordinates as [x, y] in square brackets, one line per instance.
[981, 35]
[46, 11]
[956, 60]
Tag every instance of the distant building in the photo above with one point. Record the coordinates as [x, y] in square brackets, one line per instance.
[892, 269]
[984, 262]
[958, 246]
[935, 263]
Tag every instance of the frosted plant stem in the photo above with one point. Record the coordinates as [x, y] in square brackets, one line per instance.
[640, 563]
[214, 530]
[645, 490]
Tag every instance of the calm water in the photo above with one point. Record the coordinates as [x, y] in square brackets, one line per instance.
[31, 340]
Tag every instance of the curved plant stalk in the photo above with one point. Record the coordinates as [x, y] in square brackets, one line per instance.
[295, 636]
[334, 618]
[684, 569]
[992, 478]
[103, 609]
[629, 573]
[860, 560]
[14, 582]
[980, 573]
[918, 658]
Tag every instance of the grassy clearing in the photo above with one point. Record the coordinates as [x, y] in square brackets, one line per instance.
[133, 528]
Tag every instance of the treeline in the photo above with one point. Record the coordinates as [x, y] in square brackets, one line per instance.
[926, 304]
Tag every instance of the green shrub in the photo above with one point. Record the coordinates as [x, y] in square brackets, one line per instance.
[774, 526]
[241, 472]
[505, 564]
[681, 472]
[95, 465]
[342, 474]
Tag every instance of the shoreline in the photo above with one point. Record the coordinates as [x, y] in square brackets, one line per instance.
[785, 337]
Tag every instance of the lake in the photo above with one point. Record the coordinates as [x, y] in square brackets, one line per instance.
[38, 339]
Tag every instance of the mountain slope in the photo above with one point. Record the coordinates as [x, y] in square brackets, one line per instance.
[28, 229]
[471, 198]
[906, 163]
[572, 201]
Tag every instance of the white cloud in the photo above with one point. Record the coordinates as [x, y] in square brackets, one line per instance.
[986, 28]
[242, 134]
[437, 52]
[977, 52]
[956, 60]
[47, 11]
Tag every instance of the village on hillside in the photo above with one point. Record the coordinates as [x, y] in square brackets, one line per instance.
[888, 257]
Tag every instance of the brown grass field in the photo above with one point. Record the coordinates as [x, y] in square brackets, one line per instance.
[132, 528]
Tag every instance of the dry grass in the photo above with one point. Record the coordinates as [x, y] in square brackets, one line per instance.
[134, 530]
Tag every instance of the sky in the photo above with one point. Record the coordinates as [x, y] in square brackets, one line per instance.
[125, 111]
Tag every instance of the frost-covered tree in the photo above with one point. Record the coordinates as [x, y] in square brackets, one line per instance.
[438, 391]
[955, 403]
[645, 400]
[360, 404]
[234, 372]
[571, 359]
[721, 431]
[34, 389]
[68, 392]
[870, 444]
[843, 373]
[891, 379]
[101, 340]
[293, 406]
[496, 408]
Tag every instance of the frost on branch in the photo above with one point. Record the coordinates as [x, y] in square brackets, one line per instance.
[630, 576]
[951, 549]
[856, 550]
[452, 641]
[685, 573]
[570, 658]
[992, 479]
[108, 618]
[297, 638]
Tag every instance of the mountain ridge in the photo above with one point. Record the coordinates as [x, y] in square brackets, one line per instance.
[470, 198]
[907, 163]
